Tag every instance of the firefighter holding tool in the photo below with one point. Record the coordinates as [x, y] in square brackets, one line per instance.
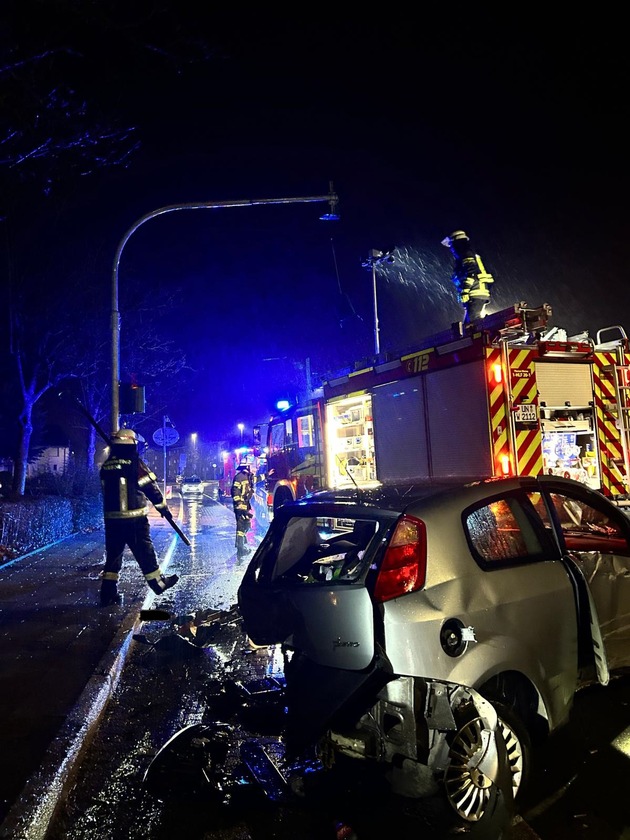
[128, 485]
[470, 277]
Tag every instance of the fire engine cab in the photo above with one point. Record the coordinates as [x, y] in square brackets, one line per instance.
[508, 395]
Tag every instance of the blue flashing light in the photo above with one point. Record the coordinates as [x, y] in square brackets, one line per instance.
[283, 405]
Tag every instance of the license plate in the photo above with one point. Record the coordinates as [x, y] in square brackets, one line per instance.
[526, 414]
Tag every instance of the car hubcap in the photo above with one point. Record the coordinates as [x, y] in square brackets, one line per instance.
[467, 788]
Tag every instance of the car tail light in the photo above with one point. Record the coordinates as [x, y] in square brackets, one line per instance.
[404, 566]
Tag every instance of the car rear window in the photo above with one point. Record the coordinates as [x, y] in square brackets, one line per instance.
[501, 532]
[316, 550]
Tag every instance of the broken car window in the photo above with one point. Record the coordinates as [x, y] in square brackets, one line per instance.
[585, 528]
[320, 550]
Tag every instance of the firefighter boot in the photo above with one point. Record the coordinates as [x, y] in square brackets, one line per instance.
[158, 583]
[242, 549]
[109, 593]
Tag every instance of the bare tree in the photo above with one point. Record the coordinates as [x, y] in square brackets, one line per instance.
[42, 357]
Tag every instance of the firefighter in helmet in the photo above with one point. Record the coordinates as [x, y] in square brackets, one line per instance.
[242, 492]
[470, 277]
[128, 485]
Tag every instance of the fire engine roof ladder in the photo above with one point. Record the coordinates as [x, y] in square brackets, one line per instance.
[621, 374]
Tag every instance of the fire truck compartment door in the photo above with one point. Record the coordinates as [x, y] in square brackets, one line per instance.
[560, 383]
[434, 425]
[458, 421]
[400, 430]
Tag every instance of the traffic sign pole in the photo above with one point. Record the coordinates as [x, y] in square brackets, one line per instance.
[165, 436]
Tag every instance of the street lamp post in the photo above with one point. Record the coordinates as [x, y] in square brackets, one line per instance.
[241, 428]
[194, 457]
[377, 344]
[375, 258]
[331, 198]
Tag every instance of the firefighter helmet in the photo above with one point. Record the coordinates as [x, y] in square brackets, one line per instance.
[243, 467]
[453, 237]
[125, 436]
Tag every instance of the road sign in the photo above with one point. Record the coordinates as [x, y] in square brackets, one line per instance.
[165, 436]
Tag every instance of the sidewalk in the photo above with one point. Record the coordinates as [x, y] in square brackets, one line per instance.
[61, 657]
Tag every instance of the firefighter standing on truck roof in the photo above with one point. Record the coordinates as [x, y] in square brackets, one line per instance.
[242, 492]
[127, 485]
[470, 277]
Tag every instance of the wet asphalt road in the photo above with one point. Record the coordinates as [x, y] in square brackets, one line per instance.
[581, 784]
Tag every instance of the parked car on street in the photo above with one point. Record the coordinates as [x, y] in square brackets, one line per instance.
[192, 486]
[399, 608]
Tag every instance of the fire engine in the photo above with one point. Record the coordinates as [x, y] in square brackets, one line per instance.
[508, 395]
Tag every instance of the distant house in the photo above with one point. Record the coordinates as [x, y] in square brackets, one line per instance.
[53, 459]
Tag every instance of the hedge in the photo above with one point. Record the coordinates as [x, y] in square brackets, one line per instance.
[31, 523]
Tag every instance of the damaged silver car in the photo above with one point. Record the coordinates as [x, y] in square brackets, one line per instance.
[418, 623]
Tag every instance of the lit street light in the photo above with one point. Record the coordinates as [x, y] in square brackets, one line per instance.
[241, 428]
[377, 258]
[331, 199]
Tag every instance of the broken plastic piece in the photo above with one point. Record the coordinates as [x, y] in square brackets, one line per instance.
[468, 634]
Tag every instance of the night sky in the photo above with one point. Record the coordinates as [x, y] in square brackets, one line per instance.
[511, 128]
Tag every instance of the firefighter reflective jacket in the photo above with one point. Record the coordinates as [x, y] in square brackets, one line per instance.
[241, 492]
[128, 484]
[471, 278]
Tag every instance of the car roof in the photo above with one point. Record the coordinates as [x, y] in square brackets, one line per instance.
[397, 495]
[392, 496]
